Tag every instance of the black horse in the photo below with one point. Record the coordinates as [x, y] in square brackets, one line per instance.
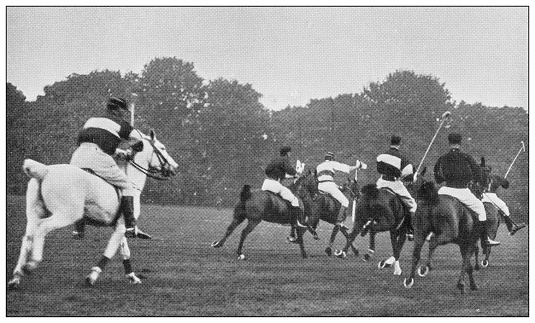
[324, 207]
[389, 213]
[257, 206]
[442, 219]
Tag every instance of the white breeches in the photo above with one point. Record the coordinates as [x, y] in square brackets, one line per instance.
[465, 196]
[332, 188]
[494, 199]
[277, 188]
[400, 190]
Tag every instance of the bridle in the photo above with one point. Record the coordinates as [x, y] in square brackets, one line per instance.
[160, 174]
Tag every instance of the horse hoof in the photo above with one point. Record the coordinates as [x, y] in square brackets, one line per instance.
[292, 240]
[29, 267]
[474, 287]
[133, 279]
[408, 282]
[383, 264]
[328, 251]
[367, 257]
[89, 281]
[460, 286]
[216, 244]
[423, 271]
[241, 257]
[13, 284]
[340, 254]
[484, 263]
[355, 251]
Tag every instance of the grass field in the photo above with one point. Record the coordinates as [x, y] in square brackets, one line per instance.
[183, 276]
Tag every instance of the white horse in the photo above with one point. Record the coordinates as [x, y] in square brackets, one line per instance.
[60, 195]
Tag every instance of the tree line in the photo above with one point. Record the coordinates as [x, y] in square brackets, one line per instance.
[222, 136]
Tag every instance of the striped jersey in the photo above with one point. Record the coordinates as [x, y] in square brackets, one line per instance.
[394, 164]
[107, 132]
[326, 170]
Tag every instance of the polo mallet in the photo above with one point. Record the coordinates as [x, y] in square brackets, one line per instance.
[521, 150]
[360, 165]
[132, 108]
[445, 116]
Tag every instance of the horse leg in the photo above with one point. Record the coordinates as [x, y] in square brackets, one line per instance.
[329, 249]
[349, 241]
[59, 219]
[235, 222]
[300, 234]
[346, 235]
[127, 265]
[465, 268]
[371, 246]
[419, 241]
[399, 241]
[293, 236]
[251, 224]
[111, 249]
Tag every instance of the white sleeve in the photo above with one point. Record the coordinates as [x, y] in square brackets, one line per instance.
[341, 167]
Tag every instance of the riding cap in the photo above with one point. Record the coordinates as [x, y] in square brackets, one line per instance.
[329, 155]
[117, 103]
[395, 140]
[454, 138]
[285, 150]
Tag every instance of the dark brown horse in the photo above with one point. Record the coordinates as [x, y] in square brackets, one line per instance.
[324, 207]
[450, 222]
[388, 211]
[257, 206]
[493, 223]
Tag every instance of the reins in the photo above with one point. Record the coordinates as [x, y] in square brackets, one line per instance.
[160, 174]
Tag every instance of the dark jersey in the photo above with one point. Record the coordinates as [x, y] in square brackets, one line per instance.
[279, 167]
[106, 131]
[457, 169]
[393, 164]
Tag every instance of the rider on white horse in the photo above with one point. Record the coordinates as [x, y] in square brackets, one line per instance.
[98, 142]
[326, 171]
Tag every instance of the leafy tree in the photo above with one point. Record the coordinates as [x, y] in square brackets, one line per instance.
[16, 129]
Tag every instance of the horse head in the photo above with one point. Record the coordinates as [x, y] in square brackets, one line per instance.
[306, 183]
[152, 158]
[425, 190]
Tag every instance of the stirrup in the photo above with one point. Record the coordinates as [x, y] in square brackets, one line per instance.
[490, 242]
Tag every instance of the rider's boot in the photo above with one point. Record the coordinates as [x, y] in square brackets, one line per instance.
[485, 239]
[341, 217]
[511, 226]
[79, 229]
[127, 208]
[410, 228]
[301, 221]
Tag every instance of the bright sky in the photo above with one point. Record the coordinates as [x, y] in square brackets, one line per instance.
[289, 54]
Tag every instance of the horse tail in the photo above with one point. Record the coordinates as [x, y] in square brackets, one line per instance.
[370, 191]
[34, 169]
[245, 193]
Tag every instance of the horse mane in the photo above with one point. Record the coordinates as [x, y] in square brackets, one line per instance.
[370, 190]
[428, 192]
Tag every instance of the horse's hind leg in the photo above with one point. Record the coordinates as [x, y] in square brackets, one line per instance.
[251, 224]
[371, 247]
[237, 220]
[127, 265]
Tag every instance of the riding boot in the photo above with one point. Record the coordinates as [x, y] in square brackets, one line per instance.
[79, 229]
[301, 221]
[410, 228]
[511, 226]
[341, 217]
[485, 239]
[127, 208]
